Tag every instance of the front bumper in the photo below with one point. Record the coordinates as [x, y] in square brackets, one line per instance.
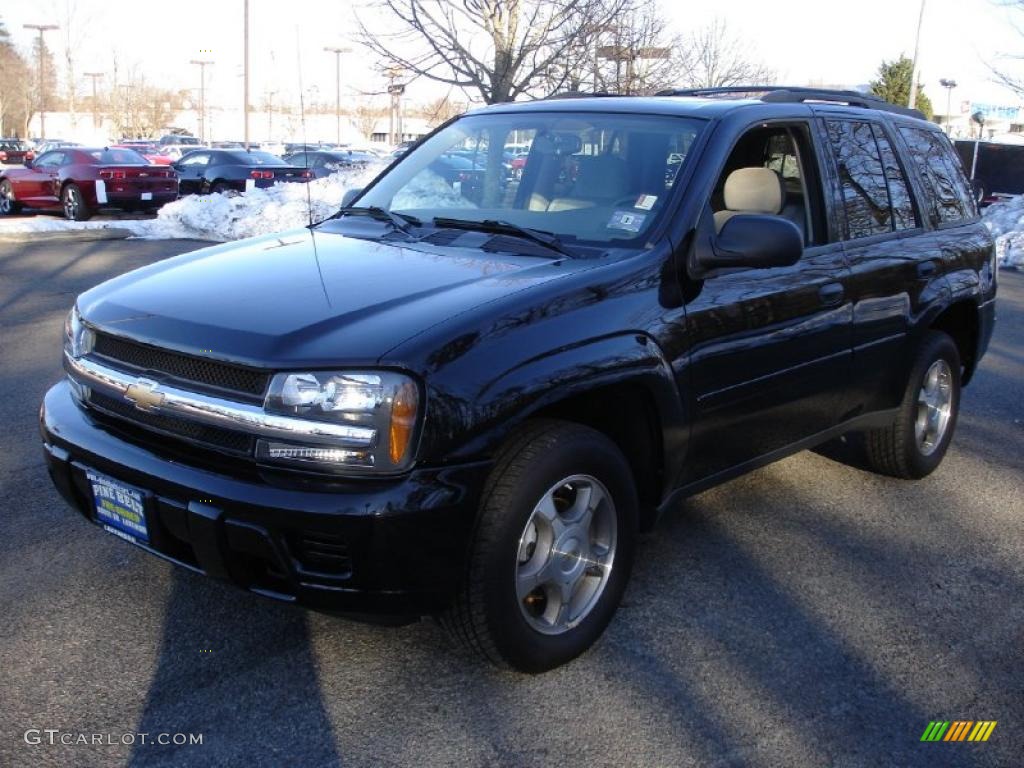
[393, 547]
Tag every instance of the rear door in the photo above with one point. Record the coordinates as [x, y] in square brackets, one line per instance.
[889, 262]
[770, 348]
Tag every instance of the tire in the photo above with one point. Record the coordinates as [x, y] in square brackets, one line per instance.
[74, 205]
[496, 613]
[912, 446]
[8, 205]
[221, 188]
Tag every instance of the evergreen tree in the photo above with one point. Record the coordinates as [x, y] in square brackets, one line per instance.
[893, 85]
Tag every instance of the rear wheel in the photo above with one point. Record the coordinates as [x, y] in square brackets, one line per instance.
[222, 188]
[552, 550]
[74, 205]
[914, 444]
[8, 205]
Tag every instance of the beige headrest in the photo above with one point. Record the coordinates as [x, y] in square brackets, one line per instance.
[754, 190]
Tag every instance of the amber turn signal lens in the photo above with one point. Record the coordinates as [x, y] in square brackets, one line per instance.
[403, 420]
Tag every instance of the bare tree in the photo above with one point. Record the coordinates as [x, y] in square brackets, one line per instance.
[638, 53]
[441, 110]
[366, 115]
[501, 49]
[1009, 75]
[712, 57]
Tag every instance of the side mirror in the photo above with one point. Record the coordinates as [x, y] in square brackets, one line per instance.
[27, 162]
[350, 196]
[756, 241]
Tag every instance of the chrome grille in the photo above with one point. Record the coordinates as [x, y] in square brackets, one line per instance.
[215, 437]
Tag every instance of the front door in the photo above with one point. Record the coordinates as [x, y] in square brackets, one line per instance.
[770, 348]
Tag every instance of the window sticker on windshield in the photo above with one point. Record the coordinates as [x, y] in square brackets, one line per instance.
[645, 202]
[627, 220]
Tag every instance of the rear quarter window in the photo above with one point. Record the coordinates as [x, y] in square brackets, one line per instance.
[948, 194]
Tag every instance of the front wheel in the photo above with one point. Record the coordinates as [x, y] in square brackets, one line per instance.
[914, 444]
[74, 205]
[552, 550]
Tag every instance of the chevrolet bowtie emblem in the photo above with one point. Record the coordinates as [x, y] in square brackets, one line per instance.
[144, 395]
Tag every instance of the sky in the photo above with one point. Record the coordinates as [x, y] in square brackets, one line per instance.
[803, 40]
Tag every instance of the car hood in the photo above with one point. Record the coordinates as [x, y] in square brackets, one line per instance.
[305, 298]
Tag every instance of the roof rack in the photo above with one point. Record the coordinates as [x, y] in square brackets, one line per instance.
[579, 95]
[777, 94]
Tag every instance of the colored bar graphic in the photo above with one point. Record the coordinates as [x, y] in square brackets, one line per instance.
[958, 730]
[935, 730]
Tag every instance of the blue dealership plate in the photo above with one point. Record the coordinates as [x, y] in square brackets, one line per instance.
[119, 507]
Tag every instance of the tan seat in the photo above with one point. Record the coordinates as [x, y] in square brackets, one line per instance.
[751, 190]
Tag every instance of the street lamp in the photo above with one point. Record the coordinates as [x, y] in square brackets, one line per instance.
[41, 29]
[337, 86]
[202, 64]
[949, 84]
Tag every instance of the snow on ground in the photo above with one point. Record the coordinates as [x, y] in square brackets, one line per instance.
[221, 217]
[1006, 222]
[257, 212]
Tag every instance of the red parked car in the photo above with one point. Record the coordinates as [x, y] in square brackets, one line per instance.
[14, 151]
[80, 180]
[150, 151]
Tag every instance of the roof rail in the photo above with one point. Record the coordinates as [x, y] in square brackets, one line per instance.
[793, 94]
[579, 95]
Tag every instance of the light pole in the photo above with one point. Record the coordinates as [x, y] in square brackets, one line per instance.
[270, 115]
[912, 101]
[95, 113]
[337, 86]
[245, 86]
[41, 29]
[949, 85]
[202, 64]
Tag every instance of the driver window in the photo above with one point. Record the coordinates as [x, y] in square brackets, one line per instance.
[772, 171]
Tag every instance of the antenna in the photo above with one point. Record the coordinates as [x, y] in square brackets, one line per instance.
[302, 122]
[305, 156]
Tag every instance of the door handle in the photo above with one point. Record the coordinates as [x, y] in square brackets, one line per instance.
[926, 269]
[831, 294]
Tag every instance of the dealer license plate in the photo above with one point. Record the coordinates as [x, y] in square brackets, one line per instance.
[119, 507]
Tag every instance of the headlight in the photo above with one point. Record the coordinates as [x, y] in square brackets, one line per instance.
[385, 404]
[78, 339]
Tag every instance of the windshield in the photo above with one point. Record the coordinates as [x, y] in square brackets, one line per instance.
[594, 178]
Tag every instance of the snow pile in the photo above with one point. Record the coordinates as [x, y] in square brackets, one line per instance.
[256, 212]
[1006, 222]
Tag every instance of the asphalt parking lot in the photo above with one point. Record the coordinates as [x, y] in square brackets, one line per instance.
[809, 614]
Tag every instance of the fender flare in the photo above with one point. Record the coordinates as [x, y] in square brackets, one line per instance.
[518, 393]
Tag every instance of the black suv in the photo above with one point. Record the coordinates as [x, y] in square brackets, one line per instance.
[465, 397]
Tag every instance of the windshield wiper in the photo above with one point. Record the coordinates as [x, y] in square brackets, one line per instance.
[546, 239]
[399, 221]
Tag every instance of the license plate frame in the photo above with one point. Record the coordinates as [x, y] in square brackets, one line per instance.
[119, 508]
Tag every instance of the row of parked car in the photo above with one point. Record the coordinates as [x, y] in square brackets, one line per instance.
[142, 175]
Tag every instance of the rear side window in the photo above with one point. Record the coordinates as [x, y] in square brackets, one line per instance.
[946, 186]
[903, 216]
[862, 176]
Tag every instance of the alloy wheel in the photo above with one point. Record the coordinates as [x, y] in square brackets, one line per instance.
[934, 407]
[566, 554]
